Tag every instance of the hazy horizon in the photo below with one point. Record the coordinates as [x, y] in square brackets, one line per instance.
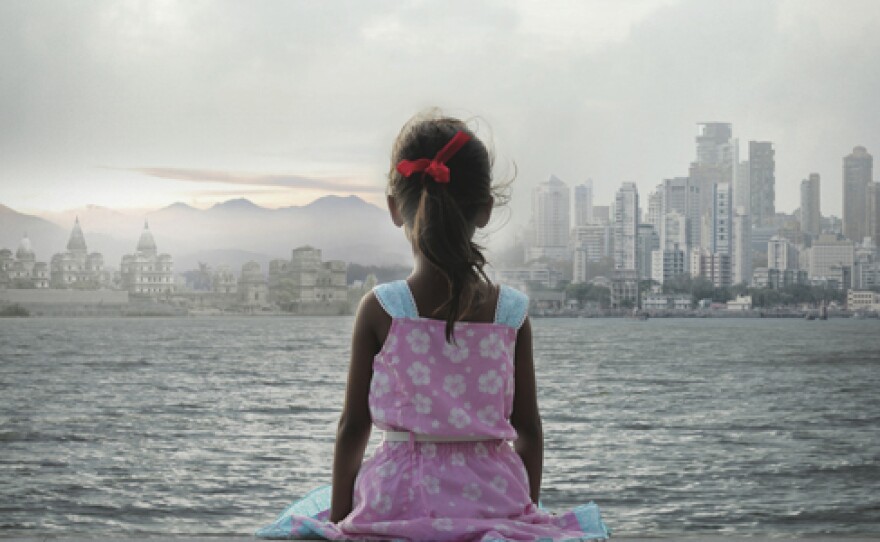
[138, 105]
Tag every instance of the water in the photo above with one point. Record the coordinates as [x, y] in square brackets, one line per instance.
[210, 426]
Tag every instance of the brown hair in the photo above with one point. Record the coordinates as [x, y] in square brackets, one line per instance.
[441, 217]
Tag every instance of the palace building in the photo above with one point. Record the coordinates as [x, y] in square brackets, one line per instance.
[76, 268]
[146, 272]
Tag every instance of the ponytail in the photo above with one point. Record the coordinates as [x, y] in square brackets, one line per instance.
[443, 234]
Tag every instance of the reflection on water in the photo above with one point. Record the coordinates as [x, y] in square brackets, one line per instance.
[210, 426]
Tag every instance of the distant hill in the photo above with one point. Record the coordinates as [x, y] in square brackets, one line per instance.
[345, 228]
[46, 238]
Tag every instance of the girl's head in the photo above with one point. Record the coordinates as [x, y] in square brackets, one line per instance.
[441, 218]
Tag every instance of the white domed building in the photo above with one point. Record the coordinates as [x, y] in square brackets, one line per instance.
[23, 270]
[146, 272]
[76, 268]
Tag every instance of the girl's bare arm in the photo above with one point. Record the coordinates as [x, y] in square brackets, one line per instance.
[353, 431]
[525, 417]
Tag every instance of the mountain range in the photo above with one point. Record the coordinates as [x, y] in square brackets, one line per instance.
[229, 233]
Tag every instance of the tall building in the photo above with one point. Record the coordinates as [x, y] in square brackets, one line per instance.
[741, 194]
[583, 203]
[717, 234]
[857, 172]
[811, 216]
[683, 197]
[648, 242]
[551, 219]
[874, 212]
[762, 182]
[626, 227]
[781, 254]
[717, 158]
[742, 246]
[654, 216]
[146, 272]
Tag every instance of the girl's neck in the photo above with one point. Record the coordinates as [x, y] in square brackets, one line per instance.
[429, 288]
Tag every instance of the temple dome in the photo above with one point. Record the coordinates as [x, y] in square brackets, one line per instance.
[77, 242]
[146, 243]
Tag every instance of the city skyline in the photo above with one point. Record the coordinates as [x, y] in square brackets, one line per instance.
[138, 106]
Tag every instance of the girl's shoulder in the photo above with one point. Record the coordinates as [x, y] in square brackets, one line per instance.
[397, 301]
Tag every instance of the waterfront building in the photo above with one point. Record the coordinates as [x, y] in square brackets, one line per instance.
[863, 300]
[583, 203]
[829, 255]
[668, 263]
[551, 221]
[857, 176]
[253, 288]
[306, 283]
[23, 271]
[667, 302]
[741, 303]
[781, 254]
[762, 182]
[147, 272]
[674, 231]
[811, 216]
[866, 266]
[625, 288]
[683, 197]
[76, 268]
[522, 277]
[717, 233]
[712, 266]
[591, 243]
[626, 227]
[223, 281]
[742, 246]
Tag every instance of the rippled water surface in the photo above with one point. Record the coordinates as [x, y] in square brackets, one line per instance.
[211, 426]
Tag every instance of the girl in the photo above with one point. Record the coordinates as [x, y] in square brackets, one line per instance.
[442, 363]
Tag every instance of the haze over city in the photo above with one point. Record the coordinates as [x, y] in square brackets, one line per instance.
[137, 105]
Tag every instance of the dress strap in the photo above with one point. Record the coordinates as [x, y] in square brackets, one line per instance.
[397, 300]
[513, 307]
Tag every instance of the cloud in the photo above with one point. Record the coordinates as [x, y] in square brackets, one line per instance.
[249, 179]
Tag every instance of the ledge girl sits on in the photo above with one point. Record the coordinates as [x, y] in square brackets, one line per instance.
[442, 363]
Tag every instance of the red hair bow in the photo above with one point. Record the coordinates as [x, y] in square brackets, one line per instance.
[436, 168]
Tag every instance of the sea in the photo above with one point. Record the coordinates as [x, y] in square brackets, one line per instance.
[211, 426]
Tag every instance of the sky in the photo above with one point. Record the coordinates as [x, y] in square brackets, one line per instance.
[139, 104]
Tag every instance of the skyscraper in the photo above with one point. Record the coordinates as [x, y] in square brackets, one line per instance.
[762, 182]
[811, 217]
[742, 246]
[550, 216]
[874, 212]
[583, 203]
[717, 156]
[857, 171]
[626, 227]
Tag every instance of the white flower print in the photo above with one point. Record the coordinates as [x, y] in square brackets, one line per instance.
[419, 373]
[490, 382]
[378, 414]
[499, 484]
[442, 524]
[471, 492]
[381, 503]
[491, 346]
[387, 469]
[395, 360]
[380, 384]
[454, 385]
[391, 343]
[432, 484]
[422, 403]
[488, 415]
[419, 341]
[480, 450]
[429, 450]
[456, 352]
[459, 418]
[456, 459]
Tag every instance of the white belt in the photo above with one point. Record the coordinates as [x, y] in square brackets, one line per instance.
[406, 436]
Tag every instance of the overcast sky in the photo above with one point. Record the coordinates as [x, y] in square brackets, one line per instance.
[134, 104]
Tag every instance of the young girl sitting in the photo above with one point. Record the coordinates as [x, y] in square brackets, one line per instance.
[442, 363]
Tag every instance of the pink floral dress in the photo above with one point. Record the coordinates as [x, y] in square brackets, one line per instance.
[472, 489]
